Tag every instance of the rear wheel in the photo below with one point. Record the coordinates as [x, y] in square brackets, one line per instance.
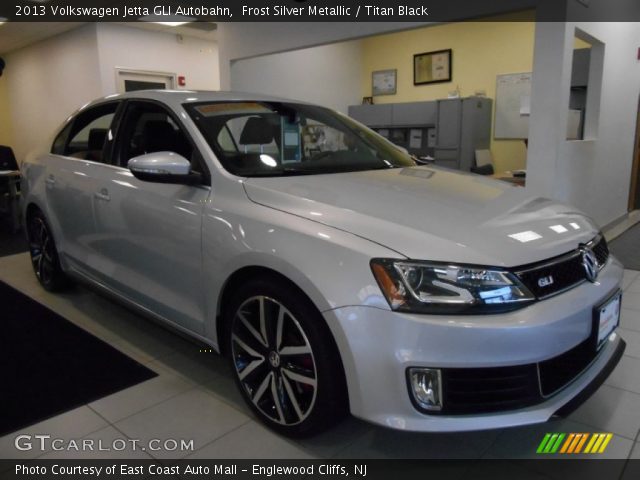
[284, 359]
[44, 255]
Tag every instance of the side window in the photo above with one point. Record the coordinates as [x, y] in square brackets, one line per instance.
[149, 128]
[61, 140]
[90, 133]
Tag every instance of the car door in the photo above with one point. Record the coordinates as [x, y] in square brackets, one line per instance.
[149, 234]
[70, 180]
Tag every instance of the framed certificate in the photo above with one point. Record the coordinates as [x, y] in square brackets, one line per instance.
[383, 82]
[432, 67]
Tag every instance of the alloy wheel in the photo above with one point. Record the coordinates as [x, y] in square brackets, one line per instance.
[274, 360]
[42, 249]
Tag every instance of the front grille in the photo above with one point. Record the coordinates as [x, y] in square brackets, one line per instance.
[566, 270]
[557, 372]
[601, 249]
[486, 390]
[482, 390]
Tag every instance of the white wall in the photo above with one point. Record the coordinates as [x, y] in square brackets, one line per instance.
[593, 174]
[328, 75]
[137, 49]
[48, 81]
[246, 40]
[241, 40]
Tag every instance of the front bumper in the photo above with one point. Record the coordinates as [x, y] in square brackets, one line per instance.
[378, 346]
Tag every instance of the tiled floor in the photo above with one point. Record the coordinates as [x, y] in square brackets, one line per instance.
[194, 397]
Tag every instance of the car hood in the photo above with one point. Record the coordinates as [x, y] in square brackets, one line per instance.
[432, 213]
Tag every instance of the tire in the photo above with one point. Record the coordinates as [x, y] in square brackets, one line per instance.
[44, 255]
[287, 367]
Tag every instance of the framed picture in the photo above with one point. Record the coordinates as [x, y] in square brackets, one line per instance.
[383, 82]
[432, 67]
[367, 100]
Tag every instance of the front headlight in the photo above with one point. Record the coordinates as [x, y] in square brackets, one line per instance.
[442, 288]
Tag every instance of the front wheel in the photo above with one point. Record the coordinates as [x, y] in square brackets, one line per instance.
[284, 359]
[44, 255]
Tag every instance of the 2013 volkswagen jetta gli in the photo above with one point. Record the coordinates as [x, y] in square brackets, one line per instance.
[336, 273]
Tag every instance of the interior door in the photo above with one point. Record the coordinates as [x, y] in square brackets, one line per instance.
[130, 81]
[150, 233]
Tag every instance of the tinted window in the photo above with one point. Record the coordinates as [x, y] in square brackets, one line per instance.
[61, 140]
[149, 127]
[274, 138]
[90, 133]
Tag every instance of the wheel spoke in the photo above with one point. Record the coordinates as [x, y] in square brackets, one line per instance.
[297, 377]
[301, 350]
[246, 347]
[262, 388]
[292, 397]
[40, 271]
[279, 328]
[250, 368]
[43, 234]
[276, 398]
[251, 329]
[263, 322]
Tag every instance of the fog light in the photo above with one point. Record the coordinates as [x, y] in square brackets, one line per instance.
[426, 386]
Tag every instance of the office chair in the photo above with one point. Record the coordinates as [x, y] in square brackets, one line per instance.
[9, 185]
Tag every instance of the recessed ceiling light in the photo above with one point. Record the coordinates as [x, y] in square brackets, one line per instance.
[171, 24]
[174, 20]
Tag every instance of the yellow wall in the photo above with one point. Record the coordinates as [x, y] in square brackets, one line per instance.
[481, 50]
[6, 134]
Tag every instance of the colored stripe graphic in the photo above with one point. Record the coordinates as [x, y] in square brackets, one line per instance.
[543, 443]
[606, 442]
[573, 443]
[568, 442]
[581, 444]
[593, 440]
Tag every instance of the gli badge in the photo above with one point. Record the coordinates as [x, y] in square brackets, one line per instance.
[545, 281]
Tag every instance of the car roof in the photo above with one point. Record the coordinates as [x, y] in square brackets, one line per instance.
[179, 97]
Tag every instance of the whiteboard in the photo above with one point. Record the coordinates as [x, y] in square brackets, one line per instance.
[513, 102]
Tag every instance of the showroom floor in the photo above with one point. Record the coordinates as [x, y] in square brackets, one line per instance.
[194, 397]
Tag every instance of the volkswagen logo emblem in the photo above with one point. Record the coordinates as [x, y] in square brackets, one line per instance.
[590, 264]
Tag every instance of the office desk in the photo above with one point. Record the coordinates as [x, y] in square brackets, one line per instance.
[12, 179]
[508, 177]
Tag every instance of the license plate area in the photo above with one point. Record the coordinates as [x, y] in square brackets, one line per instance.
[606, 317]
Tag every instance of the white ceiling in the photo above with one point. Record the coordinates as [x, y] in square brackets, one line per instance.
[15, 35]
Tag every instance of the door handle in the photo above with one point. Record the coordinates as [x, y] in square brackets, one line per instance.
[102, 195]
[51, 180]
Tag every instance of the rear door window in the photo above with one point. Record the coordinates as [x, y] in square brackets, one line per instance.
[89, 135]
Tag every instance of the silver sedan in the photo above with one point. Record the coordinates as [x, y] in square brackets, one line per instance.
[335, 273]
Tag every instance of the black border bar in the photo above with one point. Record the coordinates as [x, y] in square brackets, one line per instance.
[317, 10]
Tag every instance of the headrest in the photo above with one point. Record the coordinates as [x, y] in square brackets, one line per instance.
[157, 136]
[97, 136]
[7, 159]
[257, 131]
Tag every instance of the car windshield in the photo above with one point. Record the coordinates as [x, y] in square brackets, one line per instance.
[254, 139]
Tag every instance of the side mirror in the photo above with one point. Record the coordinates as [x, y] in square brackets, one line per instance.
[162, 167]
